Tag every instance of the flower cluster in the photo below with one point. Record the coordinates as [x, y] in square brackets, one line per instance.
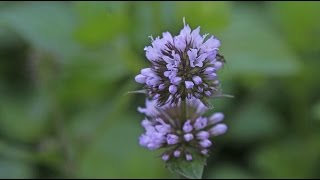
[182, 75]
[182, 66]
[165, 128]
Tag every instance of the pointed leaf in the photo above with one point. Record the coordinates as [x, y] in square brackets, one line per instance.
[189, 169]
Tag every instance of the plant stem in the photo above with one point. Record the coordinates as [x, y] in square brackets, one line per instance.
[184, 110]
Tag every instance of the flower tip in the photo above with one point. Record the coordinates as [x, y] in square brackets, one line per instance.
[172, 139]
[140, 79]
[189, 84]
[205, 143]
[216, 117]
[218, 129]
[177, 153]
[204, 151]
[173, 89]
[165, 157]
[202, 135]
[218, 65]
[187, 127]
[188, 157]
[188, 137]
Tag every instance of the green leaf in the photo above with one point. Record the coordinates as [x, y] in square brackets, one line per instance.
[95, 18]
[15, 170]
[252, 47]
[116, 153]
[189, 169]
[254, 121]
[297, 23]
[316, 112]
[228, 170]
[47, 26]
[208, 15]
[292, 157]
[25, 119]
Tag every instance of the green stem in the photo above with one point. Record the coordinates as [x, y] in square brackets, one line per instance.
[184, 111]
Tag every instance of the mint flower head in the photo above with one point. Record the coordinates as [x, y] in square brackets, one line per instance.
[182, 67]
[181, 135]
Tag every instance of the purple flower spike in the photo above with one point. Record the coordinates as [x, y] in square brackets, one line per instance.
[187, 57]
[177, 134]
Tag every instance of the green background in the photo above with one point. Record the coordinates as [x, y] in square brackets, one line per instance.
[65, 68]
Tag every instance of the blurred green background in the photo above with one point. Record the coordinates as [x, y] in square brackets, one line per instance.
[66, 66]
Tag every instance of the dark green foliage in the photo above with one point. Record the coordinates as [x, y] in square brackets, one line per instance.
[66, 69]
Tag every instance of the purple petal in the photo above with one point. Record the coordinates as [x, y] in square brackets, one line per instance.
[146, 71]
[202, 135]
[216, 117]
[145, 123]
[204, 151]
[200, 123]
[188, 137]
[167, 37]
[187, 127]
[162, 86]
[177, 153]
[205, 143]
[176, 80]
[173, 89]
[144, 140]
[212, 76]
[172, 139]
[188, 157]
[189, 84]
[197, 80]
[218, 65]
[209, 70]
[218, 129]
[208, 93]
[140, 78]
[165, 157]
